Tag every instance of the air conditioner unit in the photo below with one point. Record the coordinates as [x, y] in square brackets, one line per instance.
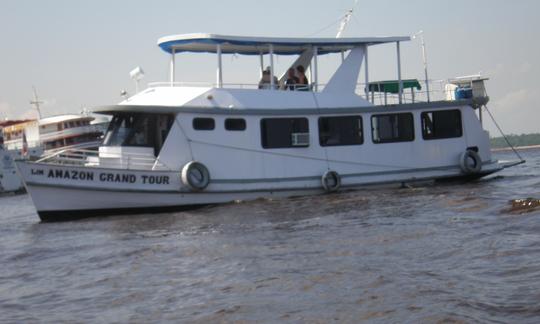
[300, 139]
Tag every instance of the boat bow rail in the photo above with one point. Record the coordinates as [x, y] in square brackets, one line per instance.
[92, 158]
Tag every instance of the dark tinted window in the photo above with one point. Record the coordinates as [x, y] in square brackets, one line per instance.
[204, 123]
[235, 124]
[284, 132]
[390, 128]
[342, 130]
[441, 124]
[136, 129]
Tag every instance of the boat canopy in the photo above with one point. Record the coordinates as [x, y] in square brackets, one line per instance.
[393, 86]
[207, 43]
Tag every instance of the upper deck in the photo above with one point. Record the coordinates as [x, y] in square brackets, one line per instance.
[342, 89]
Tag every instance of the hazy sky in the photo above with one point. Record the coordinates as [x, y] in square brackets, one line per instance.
[79, 53]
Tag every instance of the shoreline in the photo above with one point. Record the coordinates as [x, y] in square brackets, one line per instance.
[519, 148]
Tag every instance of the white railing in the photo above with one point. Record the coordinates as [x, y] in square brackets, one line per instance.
[92, 158]
[203, 85]
[17, 144]
[438, 91]
[70, 131]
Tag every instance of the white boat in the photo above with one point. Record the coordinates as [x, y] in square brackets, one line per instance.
[9, 179]
[56, 133]
[175, 145]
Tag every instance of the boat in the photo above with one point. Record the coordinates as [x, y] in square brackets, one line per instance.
[30, 139]
[9, 179]
[56, 133]
[176, 145]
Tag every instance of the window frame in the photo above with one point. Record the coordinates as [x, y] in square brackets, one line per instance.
[196, 119]
[264, 131]
[433, 137]
[355, 117]
[398, 140]
[228, 128]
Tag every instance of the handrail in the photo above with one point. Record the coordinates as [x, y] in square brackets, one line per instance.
[93, 158]
[437, 90]
[80, 130]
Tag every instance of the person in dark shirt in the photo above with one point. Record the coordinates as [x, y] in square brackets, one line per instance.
[302, 79]
[292, 80]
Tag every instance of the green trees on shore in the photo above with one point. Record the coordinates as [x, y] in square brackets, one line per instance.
[516, 140]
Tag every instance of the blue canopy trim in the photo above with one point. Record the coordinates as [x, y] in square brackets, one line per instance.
[205, 43]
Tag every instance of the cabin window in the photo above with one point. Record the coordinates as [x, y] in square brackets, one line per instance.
[204, 124]
[284, 132]
[235, 124]
[340, 131]
[391, 128]
[138, 129]
[441, 124]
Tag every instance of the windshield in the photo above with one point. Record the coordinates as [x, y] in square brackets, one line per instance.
[137, 129]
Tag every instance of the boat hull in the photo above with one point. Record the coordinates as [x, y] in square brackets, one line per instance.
[70, 192]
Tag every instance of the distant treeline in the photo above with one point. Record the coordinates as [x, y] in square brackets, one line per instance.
[516, 140]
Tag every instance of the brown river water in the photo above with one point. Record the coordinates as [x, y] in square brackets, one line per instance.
[443, 253]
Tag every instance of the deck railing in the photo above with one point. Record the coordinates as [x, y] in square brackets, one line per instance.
[438, 91]
[80, 130]
[92, 158]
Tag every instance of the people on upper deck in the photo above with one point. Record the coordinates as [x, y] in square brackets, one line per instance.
[303, 83]
[266, 80]
[292, 81]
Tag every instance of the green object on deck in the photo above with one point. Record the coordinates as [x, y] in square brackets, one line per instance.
[393, 86]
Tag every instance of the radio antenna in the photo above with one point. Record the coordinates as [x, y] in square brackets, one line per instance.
[36, 102]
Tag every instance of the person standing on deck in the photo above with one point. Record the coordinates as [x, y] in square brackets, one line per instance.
[302, 78]
[292, 81]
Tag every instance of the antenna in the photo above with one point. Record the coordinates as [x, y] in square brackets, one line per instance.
[136, 75]
[346, 20]
[424, 58]
[36, 102]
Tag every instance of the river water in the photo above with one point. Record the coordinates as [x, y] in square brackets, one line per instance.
[439, 253]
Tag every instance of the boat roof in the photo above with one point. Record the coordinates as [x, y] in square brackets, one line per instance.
[63, 118]
[7, 123]
[246, 45]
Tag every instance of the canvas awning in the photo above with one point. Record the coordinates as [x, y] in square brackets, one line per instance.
[392, 86]
[206, 43]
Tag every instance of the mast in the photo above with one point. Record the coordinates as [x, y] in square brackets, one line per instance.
[345, 20]
[36, 102]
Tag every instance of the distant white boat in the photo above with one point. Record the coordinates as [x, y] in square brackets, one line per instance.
[31, 139]
[9, 179]
[175, 145]
[56, 133]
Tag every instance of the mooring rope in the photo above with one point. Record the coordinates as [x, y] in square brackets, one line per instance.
[503, 135]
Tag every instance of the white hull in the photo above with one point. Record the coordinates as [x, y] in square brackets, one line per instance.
[9, 179]
[63, 192]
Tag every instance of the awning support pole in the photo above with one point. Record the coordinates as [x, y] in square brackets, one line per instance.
[172, 70]
[400, 95]
[261, 59]
[219, 67]
[424, 56]
[366, 69]
[271, 52]
[315, 70]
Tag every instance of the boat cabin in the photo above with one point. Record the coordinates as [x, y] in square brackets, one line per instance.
[171, 123]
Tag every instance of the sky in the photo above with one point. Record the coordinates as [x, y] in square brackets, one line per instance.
[78, 54]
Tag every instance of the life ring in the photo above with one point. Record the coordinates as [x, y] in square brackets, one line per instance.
[470, 162]
[195, 176]
[331, 181]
